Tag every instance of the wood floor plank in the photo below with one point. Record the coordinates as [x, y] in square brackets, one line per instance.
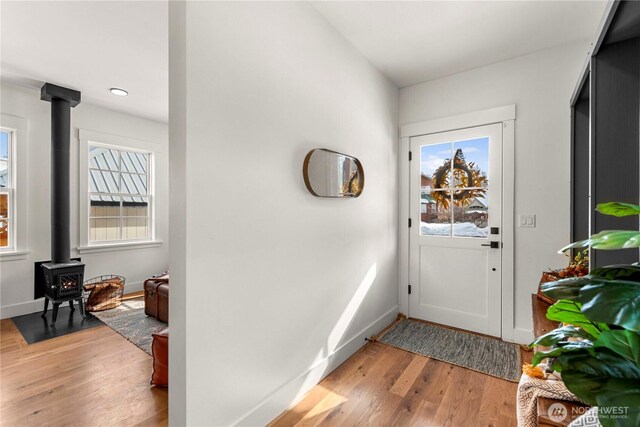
[425, 395]
[159, 418]
[296, 414]
[468, 398]
[386, 386]
[89, 378]
[409, 376]
[319, 412]
[452, 400]
[377, 412]
[368, 372]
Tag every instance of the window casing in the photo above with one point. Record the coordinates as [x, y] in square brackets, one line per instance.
[7, 190]
[120, 195]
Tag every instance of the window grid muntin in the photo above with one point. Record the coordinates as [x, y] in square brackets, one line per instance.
[121, 195]
[452, 188]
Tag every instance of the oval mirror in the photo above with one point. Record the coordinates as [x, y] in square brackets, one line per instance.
[331, 174]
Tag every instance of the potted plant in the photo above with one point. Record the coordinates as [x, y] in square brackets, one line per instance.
[578, 266]
[596, 349]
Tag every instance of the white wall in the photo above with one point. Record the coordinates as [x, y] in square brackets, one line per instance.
[16, 276]
[540, 85]
[280, 286]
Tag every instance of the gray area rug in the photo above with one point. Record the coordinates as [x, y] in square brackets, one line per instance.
[482, 354]
[130, 321]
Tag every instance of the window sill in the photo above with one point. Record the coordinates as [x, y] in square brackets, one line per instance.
[119, 246]
[13, 255]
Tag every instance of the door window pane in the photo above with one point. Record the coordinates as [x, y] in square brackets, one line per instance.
[435, 166]
[436, 220]
[454, 185]
[471, 161]
[471, 218]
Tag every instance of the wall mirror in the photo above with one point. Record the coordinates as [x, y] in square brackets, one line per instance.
[331, 174]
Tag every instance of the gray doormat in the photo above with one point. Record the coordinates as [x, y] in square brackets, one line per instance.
[482, 354]
[129, 320]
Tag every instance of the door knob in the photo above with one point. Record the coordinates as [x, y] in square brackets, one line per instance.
[495, 245]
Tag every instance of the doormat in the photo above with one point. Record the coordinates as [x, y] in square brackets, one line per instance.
[129, 320]
[479, 353]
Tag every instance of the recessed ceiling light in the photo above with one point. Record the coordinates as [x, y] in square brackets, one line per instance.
[118, 91]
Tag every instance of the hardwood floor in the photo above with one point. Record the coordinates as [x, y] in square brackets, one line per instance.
[386, 386]
[89, 378]
[97, 378]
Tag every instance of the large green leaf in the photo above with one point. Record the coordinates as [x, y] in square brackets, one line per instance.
[618, 209]
[568, 288]
[562, 348]
[614, 302]
[603, 378]
[587, 372]
[625, 343]
[626, 272]
[616, 239]
[561, 334]
[608, 240]
[620, 408]
[569, 312]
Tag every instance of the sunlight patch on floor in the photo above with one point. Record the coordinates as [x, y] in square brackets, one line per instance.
[329, 402]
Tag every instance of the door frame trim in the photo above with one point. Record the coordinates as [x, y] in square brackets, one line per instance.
[505, 115]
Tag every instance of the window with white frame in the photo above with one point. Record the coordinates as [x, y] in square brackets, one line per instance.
[119, 194]
[7, 190]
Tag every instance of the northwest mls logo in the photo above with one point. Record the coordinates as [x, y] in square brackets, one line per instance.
[557, 412]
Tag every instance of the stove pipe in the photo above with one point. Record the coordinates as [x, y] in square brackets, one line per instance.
[62, 100]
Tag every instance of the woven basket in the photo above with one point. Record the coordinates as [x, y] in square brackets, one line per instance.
[104, 292]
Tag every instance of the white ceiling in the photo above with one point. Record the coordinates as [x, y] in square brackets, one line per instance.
[92, 46]
[412, 42]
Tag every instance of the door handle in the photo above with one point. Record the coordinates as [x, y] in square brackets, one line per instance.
[494, 245]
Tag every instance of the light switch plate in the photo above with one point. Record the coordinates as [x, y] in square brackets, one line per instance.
[528, 221]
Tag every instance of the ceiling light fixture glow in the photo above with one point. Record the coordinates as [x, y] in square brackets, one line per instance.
[118, 91]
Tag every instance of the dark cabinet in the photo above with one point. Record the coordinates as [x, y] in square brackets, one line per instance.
[605, 155]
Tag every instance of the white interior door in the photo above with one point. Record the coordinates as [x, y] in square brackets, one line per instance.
[455, 208]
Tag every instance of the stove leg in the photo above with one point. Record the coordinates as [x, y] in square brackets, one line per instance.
[46, 307]
[54, 315]
[81, 305]
[71, 306]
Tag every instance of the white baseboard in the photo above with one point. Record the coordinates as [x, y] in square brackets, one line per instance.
[133, 287]
[28, 307]
[522, 336]
[289, 394]
[21, 308]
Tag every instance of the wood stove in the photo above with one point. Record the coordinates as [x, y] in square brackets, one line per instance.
[62, 276]
[62, 283]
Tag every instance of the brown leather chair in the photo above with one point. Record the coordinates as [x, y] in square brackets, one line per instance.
[156, 297]
[160, 350]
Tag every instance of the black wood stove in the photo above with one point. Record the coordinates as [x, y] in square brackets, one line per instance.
[62, 276]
